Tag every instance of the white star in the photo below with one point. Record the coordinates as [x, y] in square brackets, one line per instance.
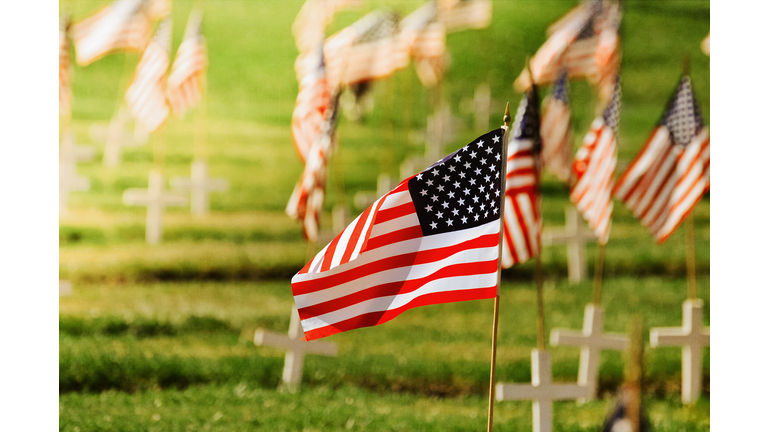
[496, 139]
[477, 171]
[445, 205]
[435, 171]
[452, 168]
[473, 154]
[482, 206]
[419, 176]
[493, 167]
[434, 198]
[472, 181]
[440, 188]
[497, 192]
[439, 215]
[474, 199]
[428, 208]
[458, 157]
[461, 201]
[450, 194]
[467, 165]
[433, 225]
[482, 188]
[487, 178]
[466, 191]
[450, 222]
[480, 143]
[462, 174]
[423, 192]
[446, 178]
[497, 175]
[429, 182]
[487, 197]
[477, 216]
[486, 214]
[470, 209]
[493, 203]
[483, 161]
[495, 210]
[488, 150]
[463, 219]
[498, 156]
[455, 212]
[456, 184]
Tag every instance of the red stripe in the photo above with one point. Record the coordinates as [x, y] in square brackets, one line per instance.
[392, 262]
[328, 257]
[394, 237]
[389, 214]
[355, 236]
[376, 318]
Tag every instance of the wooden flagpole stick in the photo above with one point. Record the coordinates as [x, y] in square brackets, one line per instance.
[503, 187]
[690, 237]
[599, 265]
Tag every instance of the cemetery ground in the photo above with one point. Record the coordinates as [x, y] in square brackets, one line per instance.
[160, 337]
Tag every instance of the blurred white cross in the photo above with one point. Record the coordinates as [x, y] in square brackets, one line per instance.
[156, 200]
[115, 137]
[69, 155]
[576, 236]
[199, 185]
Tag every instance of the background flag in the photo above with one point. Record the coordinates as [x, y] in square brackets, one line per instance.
[671, 173]
[522, 215]
[593, 168]
[556, 130]
[123, 25]
[185, 83]
[459, 15]
[65, 67]
[313, 18]
[312, 103]
[145, 95]
[307, 199]
[433, 239]
[424, 37]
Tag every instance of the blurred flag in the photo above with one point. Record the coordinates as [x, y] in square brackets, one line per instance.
[145, 95]
[185, 83]
[312, 103]
[671, 173]
[65, 67]
[314, 16]
[433, 239]
[705, 45]
[307, 199]
[424, 37]
[464, 14]
[593, 168]
[158, 9]
[123, 25]
[556, 131]
[522, 213]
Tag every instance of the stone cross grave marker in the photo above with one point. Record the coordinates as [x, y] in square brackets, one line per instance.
[592, 340]
[296, 349]
[575, 235]
[69, 155]
[479, 106]
[116, 137]
[692, 337]
[199, 185]
[441, 130]
[65, 288]
[156, 200]
[542, 391]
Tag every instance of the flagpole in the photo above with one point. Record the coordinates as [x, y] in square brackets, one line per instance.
[599, 265]
[503, 188]
[690, 237]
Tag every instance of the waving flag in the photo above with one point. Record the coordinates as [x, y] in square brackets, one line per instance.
[65, 68]
[123, 25]
[433, 239]
[312, 103]
[314, 16]
[145, 95]
[593, 167]
[671, 172]
[424, 37]
[185, 83]
[307, 199]
[556, 131]
[522, 213]
[464, 14]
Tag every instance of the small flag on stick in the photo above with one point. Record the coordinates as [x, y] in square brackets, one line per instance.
[556, 130]
[185, 82]
[424, 37]
[593, 168]
[312, 103]
[671, 173]
[123, 25]
[459, 15]
[433, 239]
[145, 96]
[314, 16]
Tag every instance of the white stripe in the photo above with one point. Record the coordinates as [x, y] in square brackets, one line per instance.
[516, 231]
[643, 163]
[526, 208]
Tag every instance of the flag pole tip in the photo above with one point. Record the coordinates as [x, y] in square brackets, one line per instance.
[507, 118]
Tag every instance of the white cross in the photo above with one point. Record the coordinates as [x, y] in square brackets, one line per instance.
[592, 340]
[296, 349]
[116, 138]
[542, 390]
[69, 155]
[384, 184]
[199, 185]
[692, 337]
[479, 106]
[156, 200]
[576, 237]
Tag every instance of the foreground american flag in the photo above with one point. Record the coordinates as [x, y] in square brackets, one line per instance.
[123, 25]
[522, 215]
[145, 96]
[593, 167]
[556, 131]
[671, 173]
[433, 239]
[308, 196]
[65, 68]
[185, 83]
[312, 103]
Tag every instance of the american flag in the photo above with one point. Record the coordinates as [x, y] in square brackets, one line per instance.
[158, 9]
[145, 96]
[313, 101]
[424, 37]
[123, 25]
[314, 16]
[556, 131]
[307, 199]
[433, 239]
[185, 83]
[593, 168]
[459, 15]
[671, 172]
[522, 213]
[65, 67]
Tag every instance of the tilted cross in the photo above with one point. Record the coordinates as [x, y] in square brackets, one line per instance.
[592, 340]
[692, 336]
[542, 391]
[296, 349]
[199, 185]
[156, 200]
[576, 236]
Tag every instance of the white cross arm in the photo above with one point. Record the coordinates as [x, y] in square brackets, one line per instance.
[574, 338]
[677, 336]
[266, 338]
[140, 197]
[549, 392]
[554, 236]
[210, 184]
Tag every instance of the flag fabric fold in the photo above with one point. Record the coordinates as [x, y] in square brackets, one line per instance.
[312, 19]
[556, 131]
[423, 36]
[185, 82]
[145, 96]
[459, 15]
[433, 239]
[123, 25]
[312, 103]
[593, 169]
[65, 68]
[671, 173]
[522, 212]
